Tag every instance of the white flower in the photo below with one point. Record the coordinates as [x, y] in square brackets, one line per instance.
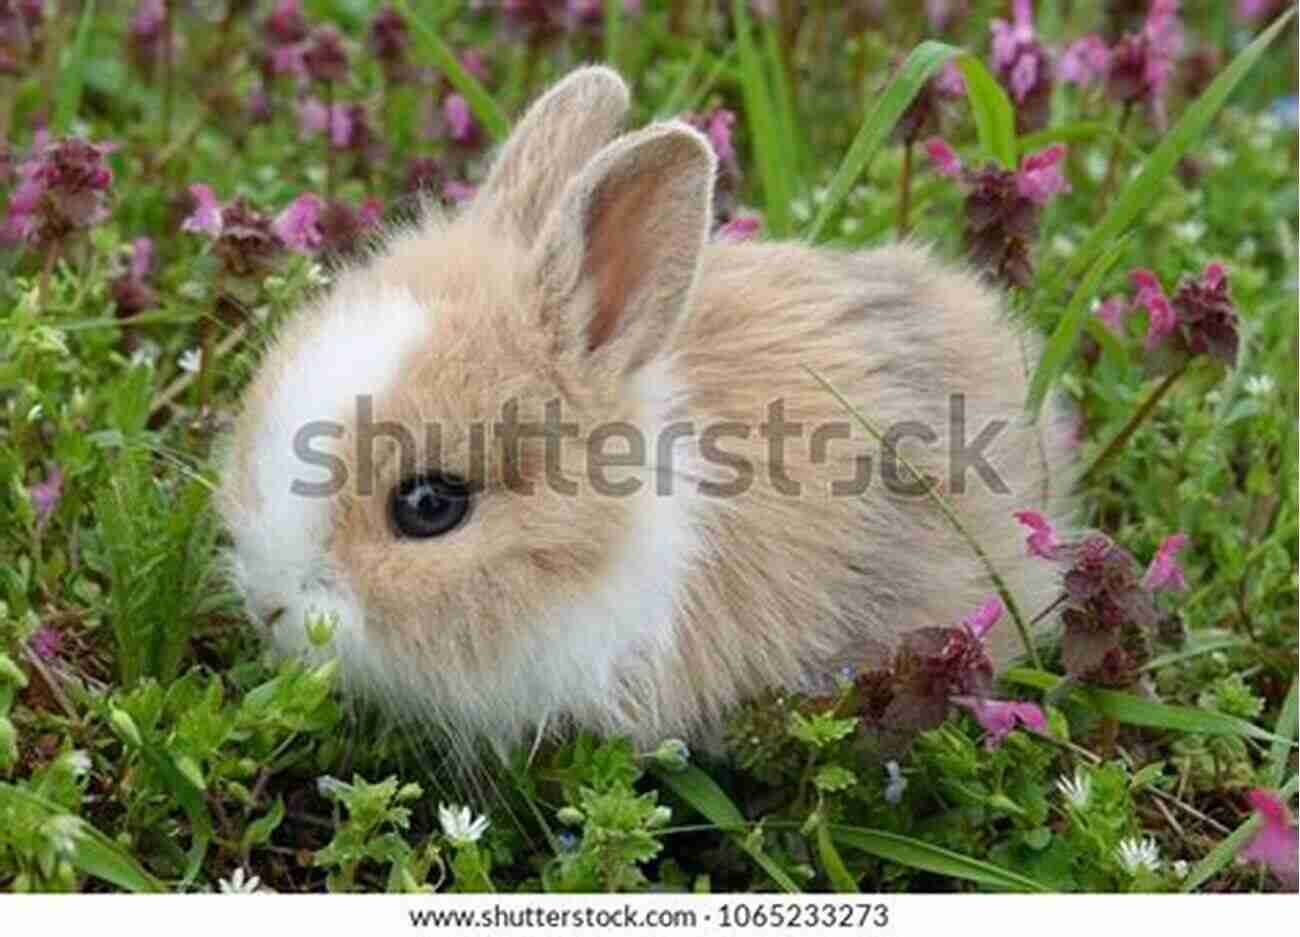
[240, 883]
[1260, 385]
[1077, 790]
[191, 360]
[896, 783]
[461, 826]
[1180, 869]
[1137, 853]
[63, 830]
[1190, 231]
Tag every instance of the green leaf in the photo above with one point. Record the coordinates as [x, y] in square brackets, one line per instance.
[72, 72]
[1133, 710]
[918, 854]
[764, 125]
[833, 864]
[94, 853]
[923, 62]
[833, 778]
[1083, 131]
[791, 153]
[1060, 347]
[995, 119]
[613, 27]
[703, 793]
[484, 106]
[1143, 189]
[260, 830]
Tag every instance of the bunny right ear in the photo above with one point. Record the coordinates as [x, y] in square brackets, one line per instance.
[556, 138]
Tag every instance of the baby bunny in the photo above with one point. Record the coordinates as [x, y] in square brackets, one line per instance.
[562, 460]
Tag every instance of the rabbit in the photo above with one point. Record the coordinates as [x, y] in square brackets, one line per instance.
[580, 293]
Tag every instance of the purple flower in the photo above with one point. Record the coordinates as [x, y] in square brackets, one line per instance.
[739, 229]
[388, 39]
[1141, 63]
[131, 291]
[1164, 572]
[206, 217]
[456, 192]
[999, 717]
[1108, 612]
[1207, 315]
[45, 495]
[1085, 60]
[1023, 66]
[46, 642]
[1042, 540]
[313, 116]
[288, 59]
[717, 126]
[1151, 296]
[325, 58]
[286, 24]
[1258, 9]
[1113, 312]
[298, 226]
[63, 188]
[943, 13]
[462, 129]
[1275, 844]
[983, 618]
[945, 159]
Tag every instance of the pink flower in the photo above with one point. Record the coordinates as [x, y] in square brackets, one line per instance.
[1151, 296]
[1007, 37]
[206, 217]
[342, 126]
[288, 59]
[1113, 312]
[459, 119]
[1042, 540]
[371, 211]
[999, 717]
[739, 229]
[45, 495]
[147, 18]
[313, 116]
[1085, 60]
[983, 618]
[1039, 177]
[943, 13]
[1255, 9]
[1276, 842]
[141, 258]
[945, 159]
[1164, 572]
[286, 22]
[298, 226]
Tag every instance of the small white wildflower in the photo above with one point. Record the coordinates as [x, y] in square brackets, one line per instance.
[1180, 868]
[78, 762]
[145, 354]
[1094, 165]
[1189, 231]
[801, 209]
[191, 360]
[1260, 385]
[63, 831]
[1138, 853]
[460, 825]
[1077, 790]
[240, 883]
[895, 783]
[1064, 245]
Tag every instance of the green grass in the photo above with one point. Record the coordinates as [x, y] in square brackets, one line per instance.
[148, 742]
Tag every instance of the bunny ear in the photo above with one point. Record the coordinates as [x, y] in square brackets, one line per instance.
[558, 135]
[619, 255]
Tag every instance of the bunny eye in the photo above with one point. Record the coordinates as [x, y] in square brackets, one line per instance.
[429, 505]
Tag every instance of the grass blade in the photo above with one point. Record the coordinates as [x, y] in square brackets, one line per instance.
[1143, 189]
[918, 854]
[791, 151]
[764, 126]
[1133, 710]
[1285, 730]
[484, 106]
[703, 793]
[995, 119]
[833, 863]
[72, 72]
[1060, 347]
[923, 62]
[1083, 131]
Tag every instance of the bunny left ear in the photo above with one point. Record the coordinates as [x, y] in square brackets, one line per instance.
[618, 258]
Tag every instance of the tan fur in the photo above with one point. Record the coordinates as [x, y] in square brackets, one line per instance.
[615, 291]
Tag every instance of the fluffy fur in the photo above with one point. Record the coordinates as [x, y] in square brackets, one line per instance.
[582, 273]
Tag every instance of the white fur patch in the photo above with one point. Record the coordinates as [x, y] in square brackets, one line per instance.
[354, 347]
